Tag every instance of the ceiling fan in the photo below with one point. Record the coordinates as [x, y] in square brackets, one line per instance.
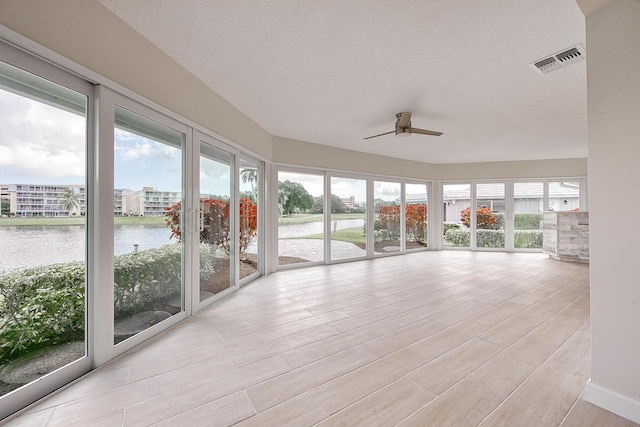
[403, 127]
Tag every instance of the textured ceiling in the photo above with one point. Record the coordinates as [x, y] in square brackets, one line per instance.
[333, 72]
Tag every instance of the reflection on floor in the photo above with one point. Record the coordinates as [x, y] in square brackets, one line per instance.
[430, 338]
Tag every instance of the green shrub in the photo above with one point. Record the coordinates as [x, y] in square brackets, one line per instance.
[451, 226]
[528, 238]
[484, 238]
[144, 280]
[40, 307]
[527, 221]
[490, 238]
[44, 306]
[458, 237]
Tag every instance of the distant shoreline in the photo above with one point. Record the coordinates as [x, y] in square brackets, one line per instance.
[64, 221]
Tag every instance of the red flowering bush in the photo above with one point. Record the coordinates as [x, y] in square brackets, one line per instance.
[484, 218]
[389, 216]
[416, 223]
[214, 222]
[415, 217]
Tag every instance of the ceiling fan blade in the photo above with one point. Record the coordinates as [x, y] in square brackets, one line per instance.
[375, 136]
[404, 120]
[425, 132]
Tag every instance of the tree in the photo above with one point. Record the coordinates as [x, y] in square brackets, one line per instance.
[250, 175]
[69, 200]
[216, 229]
[337, 205]
[484, 218]
[293, 196]
[5, 207]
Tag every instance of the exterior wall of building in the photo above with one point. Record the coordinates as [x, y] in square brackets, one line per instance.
[146, 202]
[155, 201]
[32, 200]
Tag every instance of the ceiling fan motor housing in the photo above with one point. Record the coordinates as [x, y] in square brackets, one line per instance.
[403, 131]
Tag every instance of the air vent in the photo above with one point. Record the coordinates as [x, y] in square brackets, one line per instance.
[559, 60]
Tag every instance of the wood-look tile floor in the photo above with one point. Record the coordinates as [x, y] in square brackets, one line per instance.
[428, 339]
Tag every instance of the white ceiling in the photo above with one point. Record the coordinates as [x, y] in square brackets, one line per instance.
[333, 72]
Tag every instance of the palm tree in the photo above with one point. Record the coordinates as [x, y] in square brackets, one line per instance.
[249, 175]
[69, 200]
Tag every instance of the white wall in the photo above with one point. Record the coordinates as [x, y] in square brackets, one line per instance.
[613, 73]
[292, 152]
[509, 170]
[300, 153]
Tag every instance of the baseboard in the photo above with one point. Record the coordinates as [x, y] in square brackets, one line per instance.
[613, 401]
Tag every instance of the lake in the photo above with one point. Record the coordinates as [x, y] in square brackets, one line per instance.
[30, 246]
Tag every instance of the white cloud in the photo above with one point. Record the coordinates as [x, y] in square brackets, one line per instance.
[388, 191]
[347, 187]
[130, 146]
[39, 142]
[312, 183]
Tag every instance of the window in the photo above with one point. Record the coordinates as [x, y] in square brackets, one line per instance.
[347, 220]
[43, 255]
[250, 174]
[416, 199]
[300, 217]
[387, 205]
[214, 222]
[148, 254]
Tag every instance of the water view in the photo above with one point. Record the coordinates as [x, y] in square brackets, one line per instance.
[31, 246]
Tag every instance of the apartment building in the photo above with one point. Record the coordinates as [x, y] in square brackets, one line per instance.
[146, 202]
[38, 200]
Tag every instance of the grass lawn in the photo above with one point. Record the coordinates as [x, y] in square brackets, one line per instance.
[306, 218]
[119, 220]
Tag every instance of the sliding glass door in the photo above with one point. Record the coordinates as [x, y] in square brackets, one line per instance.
[507, 215]
[215, 212]
[490, 215]
[300, 218]
[416, 199]
[44, 266]
[528, 206]
[250, 173]
[457, 215]
[148, 223]
[347, 219]
[387, 225]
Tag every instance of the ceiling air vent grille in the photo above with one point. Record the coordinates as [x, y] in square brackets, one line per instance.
[559, 60]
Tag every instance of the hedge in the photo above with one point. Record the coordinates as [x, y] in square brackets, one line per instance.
[41, 306]
[494, 238]
[44, 306]
[527, 221]
[458, 237]
[528, 238]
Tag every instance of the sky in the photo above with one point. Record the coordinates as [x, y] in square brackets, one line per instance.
[41, 144]
[141, 162]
